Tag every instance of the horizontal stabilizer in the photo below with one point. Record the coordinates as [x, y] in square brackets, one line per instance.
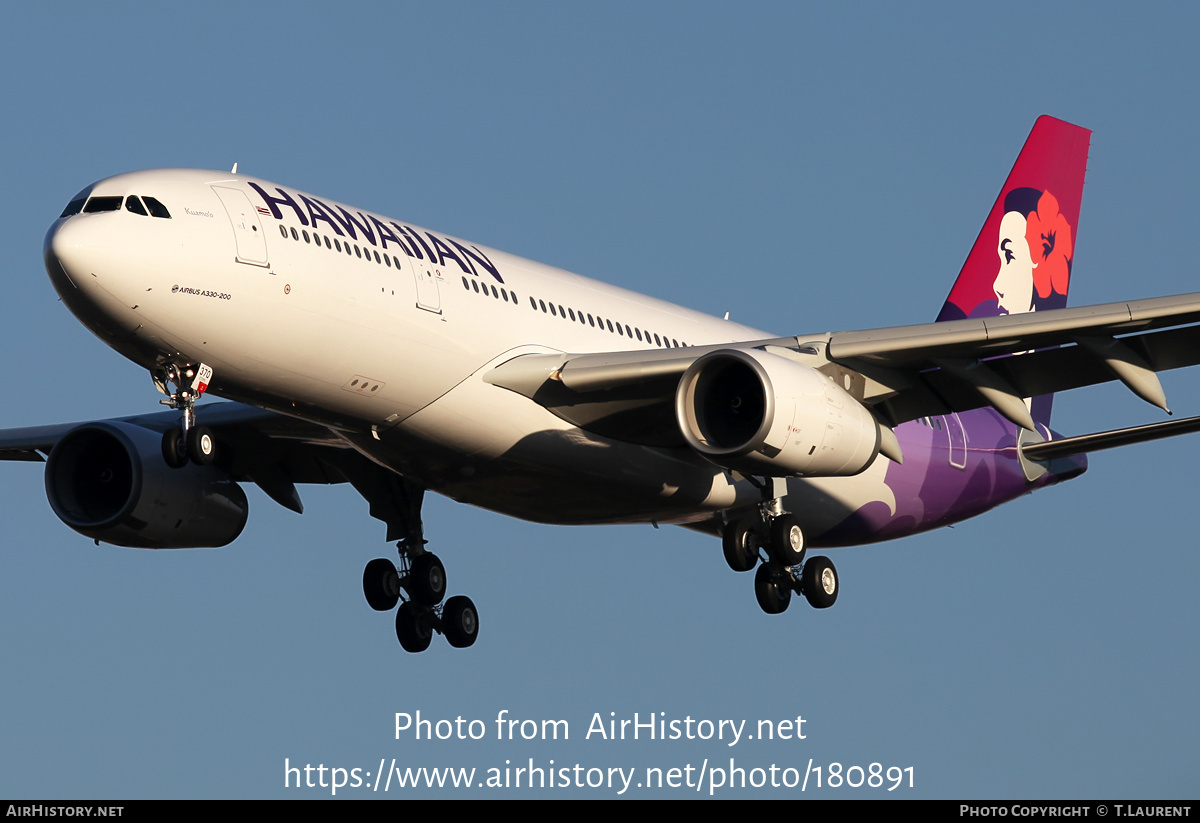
[1084, 443]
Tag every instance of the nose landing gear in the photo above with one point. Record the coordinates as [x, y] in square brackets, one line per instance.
[190, 441]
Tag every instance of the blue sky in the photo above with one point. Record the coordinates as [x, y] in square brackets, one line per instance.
[804, 167]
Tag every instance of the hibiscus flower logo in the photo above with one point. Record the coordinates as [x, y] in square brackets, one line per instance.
[1049, 237]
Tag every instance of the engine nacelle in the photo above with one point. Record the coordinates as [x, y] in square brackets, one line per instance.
[759, 413]
[108, 481]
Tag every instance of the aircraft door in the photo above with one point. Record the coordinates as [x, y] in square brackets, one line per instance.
[429, 297]
[247, 228]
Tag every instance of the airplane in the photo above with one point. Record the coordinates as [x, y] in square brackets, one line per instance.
[356, 348]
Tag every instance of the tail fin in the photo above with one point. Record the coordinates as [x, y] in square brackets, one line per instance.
[1040, 205]
[1021, 261]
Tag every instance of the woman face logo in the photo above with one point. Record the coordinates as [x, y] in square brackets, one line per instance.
[1014, 281]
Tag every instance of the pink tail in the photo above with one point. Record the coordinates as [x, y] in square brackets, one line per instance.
[1022, 258]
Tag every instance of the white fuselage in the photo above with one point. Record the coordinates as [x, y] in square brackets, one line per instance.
[383, 331]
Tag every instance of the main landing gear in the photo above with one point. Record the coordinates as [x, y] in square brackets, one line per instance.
[420, 581]
[784, 570]
[190, 441]
[423, 580]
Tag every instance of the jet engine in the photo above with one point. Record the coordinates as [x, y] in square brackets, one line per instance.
[759, 413]
[109, 481]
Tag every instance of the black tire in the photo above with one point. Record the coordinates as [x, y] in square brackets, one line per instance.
[740, 545]
[819, 582]
[772, 588]
[173, 449]
[201, 447]
[427, 579]
[460, 622]
[381, 584]
[412, 629]
[787, 540]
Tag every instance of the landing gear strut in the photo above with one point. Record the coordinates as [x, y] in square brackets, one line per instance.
[778, 534]
[768, 527]
[190, 441]
[420, 581]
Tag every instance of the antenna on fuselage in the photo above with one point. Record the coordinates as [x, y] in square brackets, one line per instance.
[234, 169]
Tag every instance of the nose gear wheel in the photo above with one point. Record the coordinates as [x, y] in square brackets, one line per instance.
[190, 441]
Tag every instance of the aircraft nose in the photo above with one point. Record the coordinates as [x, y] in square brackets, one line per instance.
[82, 252]
[83, 258]
[65, 251]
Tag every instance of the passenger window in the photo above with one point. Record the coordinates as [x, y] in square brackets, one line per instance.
[99, 204]
[157, 209]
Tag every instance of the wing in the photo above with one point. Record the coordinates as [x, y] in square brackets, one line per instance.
[900, 373]
[958, 365]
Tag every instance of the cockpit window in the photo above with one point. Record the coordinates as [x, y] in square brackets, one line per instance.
[134, 205]
[156, 208]
[74, 207]
[97, 204]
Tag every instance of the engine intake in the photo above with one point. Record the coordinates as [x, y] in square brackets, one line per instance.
[759, 413]
[108, 481]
